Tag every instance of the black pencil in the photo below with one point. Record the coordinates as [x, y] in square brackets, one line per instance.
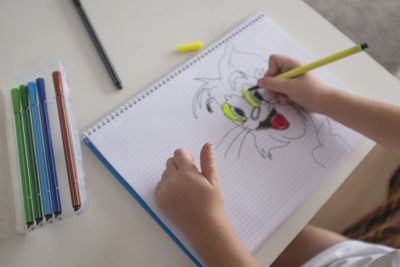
[98, 44]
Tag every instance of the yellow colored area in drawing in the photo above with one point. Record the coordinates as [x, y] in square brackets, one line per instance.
[248, 96]
[232, 114]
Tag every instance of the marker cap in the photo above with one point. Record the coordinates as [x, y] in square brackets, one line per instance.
[57, 79]
[32, 93]
[190, 47]
[23, 90]
[41, 89]
[15, 100]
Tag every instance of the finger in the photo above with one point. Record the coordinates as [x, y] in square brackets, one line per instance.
[164, 175]
[160, 192]
[275, 84]
[279, 64]
[280, 96]
[207, 163]
[171, 165]
[184, 159]
[273, 66]
[272, 94]
[158, 188]
[283, 98]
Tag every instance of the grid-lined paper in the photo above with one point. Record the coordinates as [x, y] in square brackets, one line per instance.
[265, 174]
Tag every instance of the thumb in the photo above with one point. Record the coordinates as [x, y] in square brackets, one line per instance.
[275, 84]
[274, 67]
[207, 163]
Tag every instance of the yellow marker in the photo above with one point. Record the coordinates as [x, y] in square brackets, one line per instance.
[190, 47]
[316, 64]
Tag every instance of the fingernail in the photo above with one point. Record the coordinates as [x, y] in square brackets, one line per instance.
[209, 147]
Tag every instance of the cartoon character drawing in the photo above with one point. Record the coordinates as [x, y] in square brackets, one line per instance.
[258, 118]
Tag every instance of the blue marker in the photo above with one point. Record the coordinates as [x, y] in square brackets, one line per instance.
[40, 156]
[48, 145]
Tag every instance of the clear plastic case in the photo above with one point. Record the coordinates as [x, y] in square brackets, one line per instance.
[12, 215]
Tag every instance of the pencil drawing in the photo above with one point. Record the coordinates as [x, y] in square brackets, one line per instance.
[259, 120]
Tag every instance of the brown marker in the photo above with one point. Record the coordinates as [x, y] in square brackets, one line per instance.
[69, 155]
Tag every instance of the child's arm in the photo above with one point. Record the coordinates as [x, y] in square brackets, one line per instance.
[376, 120]
[193, 200]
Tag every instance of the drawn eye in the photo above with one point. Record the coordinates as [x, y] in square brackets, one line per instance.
[233, 113]
[238, 111]
[254, 98]
[208, 105]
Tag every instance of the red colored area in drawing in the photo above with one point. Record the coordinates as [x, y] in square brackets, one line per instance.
[279, 122]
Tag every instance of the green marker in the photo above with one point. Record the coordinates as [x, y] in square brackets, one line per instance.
[322, 62]
[34, 181]
[22, 157]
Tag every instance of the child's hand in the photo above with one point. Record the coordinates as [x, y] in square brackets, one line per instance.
[306, 89]
[192, 199]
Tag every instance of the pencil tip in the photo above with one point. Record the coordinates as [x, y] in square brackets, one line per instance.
[255, 87]
[364, 46]
[119, 85]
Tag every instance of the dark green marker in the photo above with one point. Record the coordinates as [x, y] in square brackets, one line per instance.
[26, 191]
[26, 116]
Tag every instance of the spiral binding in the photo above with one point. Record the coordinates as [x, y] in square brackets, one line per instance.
[137, 99]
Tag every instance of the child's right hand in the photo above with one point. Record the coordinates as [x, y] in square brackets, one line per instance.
[306, 89]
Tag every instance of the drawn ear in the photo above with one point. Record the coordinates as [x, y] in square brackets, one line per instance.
[198, 100]
[224, 65]
[237, 80]
[229, 48]
[255, 66]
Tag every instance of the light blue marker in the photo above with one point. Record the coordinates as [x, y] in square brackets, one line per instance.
[40, 156]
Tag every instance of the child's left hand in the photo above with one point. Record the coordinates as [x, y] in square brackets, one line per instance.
[192, 199]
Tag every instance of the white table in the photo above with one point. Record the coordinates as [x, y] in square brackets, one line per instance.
[140, 37]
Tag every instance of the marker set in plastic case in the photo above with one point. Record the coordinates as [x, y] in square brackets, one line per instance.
[43, 178]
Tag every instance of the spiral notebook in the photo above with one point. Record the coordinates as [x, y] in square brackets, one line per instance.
[270, 155]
